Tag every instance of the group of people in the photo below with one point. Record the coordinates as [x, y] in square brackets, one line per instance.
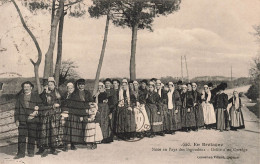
[120, 110]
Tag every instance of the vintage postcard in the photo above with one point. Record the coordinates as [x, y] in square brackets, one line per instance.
[129, 81]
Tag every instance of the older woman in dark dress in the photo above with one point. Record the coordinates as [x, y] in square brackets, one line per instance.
[50, 119]
[154, 111]
[188, 113]
[197, 107]
[65, 129]
[78, 102]
[103, 109]
[221, 103]
[126, 126]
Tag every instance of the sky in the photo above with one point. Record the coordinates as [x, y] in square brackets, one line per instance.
[212, 34]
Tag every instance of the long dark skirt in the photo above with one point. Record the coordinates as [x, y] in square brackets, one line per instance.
[222, 119]
[49, 131]
[63, 131]
[176, 120]
[188, 118]
[199, 115]
[165, 119]
[125, 120]
[75, 130]
[105, 121]
[154, 118]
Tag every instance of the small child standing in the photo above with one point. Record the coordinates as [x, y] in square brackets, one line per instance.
[93, 133]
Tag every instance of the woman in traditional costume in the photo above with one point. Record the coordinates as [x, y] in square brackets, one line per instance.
[188, 113]
[163, 105]
[126, 126]
[112, 101]
[208, 109]
[138, 104]
[65, 131]
[221, 103]
[103, 108]
[154, 111]
[236, 115]
[197, 107]
[173, 119]
[50, 119]
[78, 103]
[116, 88]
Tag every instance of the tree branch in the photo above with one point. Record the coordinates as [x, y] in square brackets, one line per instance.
[72, 3]
[30, 33]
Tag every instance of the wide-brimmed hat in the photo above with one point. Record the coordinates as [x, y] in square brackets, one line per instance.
[80, 81]
[27, 82]
[179, 82]
[222, 86]
[107, 80]
[116, 81]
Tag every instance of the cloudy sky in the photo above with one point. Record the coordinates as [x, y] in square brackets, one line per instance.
[212, 34]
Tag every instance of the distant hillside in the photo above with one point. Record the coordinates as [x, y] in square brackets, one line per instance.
[212, 78]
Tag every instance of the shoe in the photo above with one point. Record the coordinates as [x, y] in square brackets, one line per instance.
[65, 149]
[30, 155]
[45, 153]
[40, 151]
[89, 146]
[54, 152]
[94, 146]
[18, 156]
[72, 147]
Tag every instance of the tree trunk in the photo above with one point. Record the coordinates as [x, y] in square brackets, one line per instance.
[101, 57]
[59, 51]
[53, 10]
[48, 67]
[133, 52]
[38, 62]
[37, 78]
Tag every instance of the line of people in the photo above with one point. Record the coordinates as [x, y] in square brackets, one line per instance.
[123, 110]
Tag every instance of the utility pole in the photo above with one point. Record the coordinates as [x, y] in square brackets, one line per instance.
[187, 68]
[181, 70]
[231, 74]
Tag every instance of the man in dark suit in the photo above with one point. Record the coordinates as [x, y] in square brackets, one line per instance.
[25, 116]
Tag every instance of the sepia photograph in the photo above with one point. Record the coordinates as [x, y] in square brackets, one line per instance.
[129, 81]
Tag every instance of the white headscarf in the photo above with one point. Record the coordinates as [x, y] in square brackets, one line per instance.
[121, 94]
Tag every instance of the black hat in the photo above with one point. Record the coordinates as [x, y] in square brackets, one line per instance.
[188, 84]
[27, 82]
[179, 82]
[144, 81]
[222, 86]
[44, 82]
[116, 81]
[153, 79]
[131, 81]
[210, 84]
[107, 79]
[80, 81]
